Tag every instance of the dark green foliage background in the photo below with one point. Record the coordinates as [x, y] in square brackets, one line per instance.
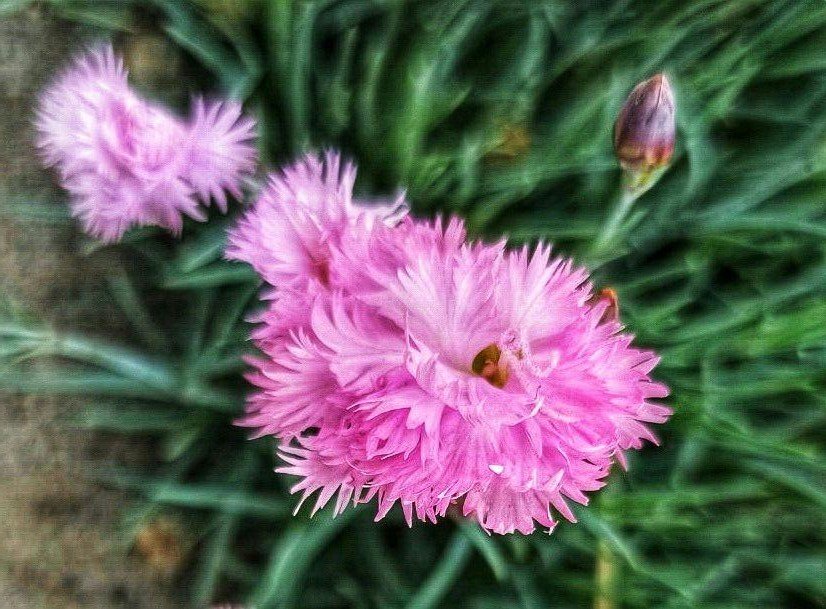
[721, 268]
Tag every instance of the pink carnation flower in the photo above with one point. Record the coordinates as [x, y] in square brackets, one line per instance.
[130, 162]
[402, 363]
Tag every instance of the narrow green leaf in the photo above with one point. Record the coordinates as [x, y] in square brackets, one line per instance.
[293, 556]
[487, 547]
[444, 574]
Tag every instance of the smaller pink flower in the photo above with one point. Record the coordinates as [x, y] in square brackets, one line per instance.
[130, 162]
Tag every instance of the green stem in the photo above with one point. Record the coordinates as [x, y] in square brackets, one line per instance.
[635, 183]
[604, 576]
[612, 227]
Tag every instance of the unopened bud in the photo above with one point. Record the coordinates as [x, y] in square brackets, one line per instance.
[644, 132]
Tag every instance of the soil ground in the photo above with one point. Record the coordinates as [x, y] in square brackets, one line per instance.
[60, 543]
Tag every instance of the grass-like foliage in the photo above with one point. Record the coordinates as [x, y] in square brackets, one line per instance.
[501, 111]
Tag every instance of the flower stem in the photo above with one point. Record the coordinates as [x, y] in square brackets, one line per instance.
[605, 576]
[635, 183]
[613, 224]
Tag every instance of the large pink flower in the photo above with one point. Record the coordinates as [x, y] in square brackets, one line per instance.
[127, 161]
[422, 369]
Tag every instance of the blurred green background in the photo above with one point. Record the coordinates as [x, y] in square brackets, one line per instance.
[502, 112]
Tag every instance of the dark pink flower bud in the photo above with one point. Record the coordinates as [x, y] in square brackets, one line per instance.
[644, 132]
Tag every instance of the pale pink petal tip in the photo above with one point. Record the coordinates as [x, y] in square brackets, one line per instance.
[222, 150]
[127, 161]
[402, 363]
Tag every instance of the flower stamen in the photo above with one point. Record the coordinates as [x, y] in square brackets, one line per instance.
[487, 365]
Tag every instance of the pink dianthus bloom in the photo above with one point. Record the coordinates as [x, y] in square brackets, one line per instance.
[401, 362]
[130, 162]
